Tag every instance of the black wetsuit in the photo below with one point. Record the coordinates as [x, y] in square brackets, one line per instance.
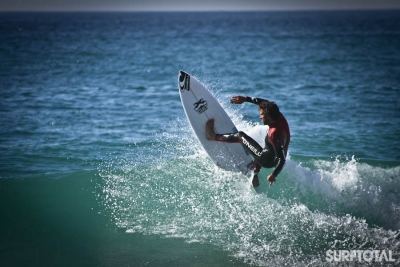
[276, 143]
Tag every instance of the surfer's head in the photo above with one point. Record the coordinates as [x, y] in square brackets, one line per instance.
[269, 112]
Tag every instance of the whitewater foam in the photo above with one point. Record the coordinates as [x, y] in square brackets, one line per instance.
[316, 204]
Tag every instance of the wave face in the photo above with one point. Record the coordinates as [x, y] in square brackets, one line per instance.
[316, 204]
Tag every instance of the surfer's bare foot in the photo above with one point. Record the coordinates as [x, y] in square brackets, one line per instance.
[210, 133]
[255, 181]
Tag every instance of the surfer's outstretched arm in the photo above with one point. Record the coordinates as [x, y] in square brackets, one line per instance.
[242, 99]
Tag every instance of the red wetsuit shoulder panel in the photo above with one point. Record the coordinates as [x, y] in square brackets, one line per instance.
[279, 134]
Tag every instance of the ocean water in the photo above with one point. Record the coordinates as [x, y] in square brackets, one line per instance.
[99, 165]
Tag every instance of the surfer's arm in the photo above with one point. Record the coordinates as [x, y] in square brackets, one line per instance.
[255, 100]
[279, 152]
[280, 155]
[241, 99]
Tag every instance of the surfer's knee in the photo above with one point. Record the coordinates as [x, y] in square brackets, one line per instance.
[240, 134]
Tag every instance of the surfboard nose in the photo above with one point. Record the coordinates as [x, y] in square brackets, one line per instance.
[182, 75]
[184, 81]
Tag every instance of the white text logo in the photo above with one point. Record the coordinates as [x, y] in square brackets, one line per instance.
[252, 148]
[359, 255]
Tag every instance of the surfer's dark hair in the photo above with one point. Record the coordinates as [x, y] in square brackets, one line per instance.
[270, 108]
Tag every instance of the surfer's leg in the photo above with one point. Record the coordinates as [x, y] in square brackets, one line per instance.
[210, 133]
[227, 138]
[263, 156]
[251, 145]
[255, 167]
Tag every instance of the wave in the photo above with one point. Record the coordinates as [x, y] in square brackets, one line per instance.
[317, 204]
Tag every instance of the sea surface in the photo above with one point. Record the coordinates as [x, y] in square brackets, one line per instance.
[100, 167]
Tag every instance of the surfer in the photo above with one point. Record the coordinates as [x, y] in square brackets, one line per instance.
[276, 142]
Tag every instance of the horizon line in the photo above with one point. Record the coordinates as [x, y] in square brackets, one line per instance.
[191, 10]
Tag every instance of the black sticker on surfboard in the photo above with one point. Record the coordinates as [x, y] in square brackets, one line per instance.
[200, 106]
[184, 81]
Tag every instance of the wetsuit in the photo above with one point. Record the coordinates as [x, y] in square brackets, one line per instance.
[276, 143]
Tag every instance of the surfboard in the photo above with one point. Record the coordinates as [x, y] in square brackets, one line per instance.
[200, 106]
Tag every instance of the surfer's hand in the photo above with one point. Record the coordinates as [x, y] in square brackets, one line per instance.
[271, 179]
[238, 99]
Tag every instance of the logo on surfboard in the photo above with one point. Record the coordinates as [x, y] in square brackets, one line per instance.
[184, 81]
[200, 106]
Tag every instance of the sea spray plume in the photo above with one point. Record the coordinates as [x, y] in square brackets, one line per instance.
[346, 187]
[204, 204]
[186, 196]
